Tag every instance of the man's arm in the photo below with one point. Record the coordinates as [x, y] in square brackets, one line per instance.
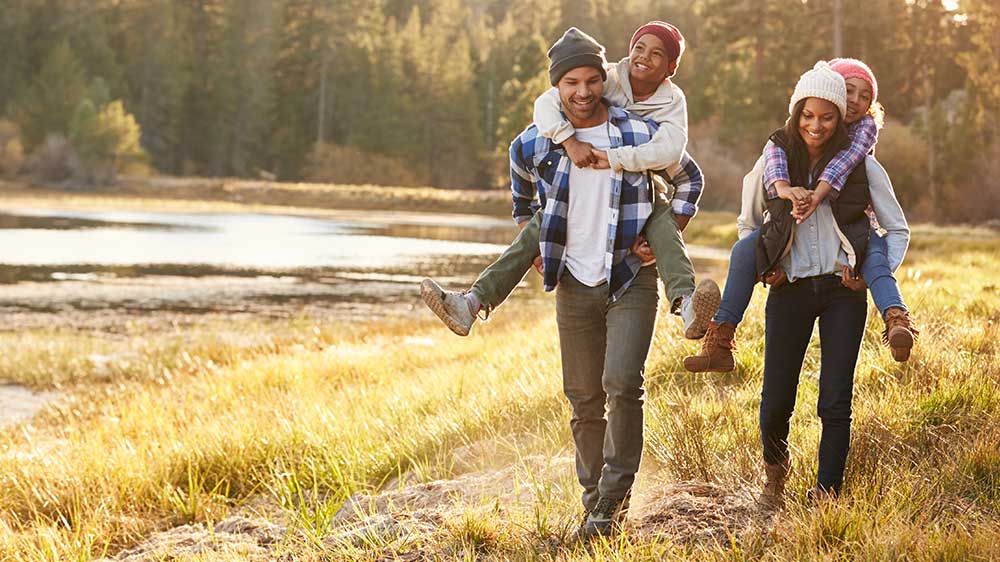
[524, 192]
[666, 148]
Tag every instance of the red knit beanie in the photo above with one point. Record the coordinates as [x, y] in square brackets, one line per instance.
[670, 35]
[853, 68]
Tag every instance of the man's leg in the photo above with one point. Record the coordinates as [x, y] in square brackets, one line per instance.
[696, 305]
[580, 314]
[457, 310]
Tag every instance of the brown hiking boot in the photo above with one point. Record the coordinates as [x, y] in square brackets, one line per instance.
[774, 488]
[819, 495]
[900, 333]
[716, 353]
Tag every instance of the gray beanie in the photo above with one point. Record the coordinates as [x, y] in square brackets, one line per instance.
[575, 48]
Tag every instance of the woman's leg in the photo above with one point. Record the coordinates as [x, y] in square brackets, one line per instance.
[740, 281]
[876, 273]
[841, 326]
[789, 317]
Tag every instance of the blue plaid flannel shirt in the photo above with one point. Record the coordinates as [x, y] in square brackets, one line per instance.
[539, 173]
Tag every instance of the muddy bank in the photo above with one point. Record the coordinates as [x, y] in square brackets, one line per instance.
[18, 403]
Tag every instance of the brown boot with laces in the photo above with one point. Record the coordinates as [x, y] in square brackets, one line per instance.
[716, 353]
[900, 334]
[773, 496]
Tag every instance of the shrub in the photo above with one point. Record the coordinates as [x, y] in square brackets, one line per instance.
[11, 151]
[331, 163]
[54, 161]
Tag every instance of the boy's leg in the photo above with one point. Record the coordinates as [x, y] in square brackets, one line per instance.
[900, 333]
[497, 281]
[458, 309]
[695, 305]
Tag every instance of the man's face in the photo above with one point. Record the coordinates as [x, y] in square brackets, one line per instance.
[580, 91]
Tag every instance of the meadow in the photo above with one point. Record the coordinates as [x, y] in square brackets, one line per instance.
[164, 435]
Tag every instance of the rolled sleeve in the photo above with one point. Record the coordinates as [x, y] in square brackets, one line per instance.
[688, 182]
[775, 168]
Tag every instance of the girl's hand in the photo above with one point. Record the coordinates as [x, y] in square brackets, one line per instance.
[799, 196]
[601, 158]
[581, 153]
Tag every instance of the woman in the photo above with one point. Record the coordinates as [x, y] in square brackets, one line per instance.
[818, 258]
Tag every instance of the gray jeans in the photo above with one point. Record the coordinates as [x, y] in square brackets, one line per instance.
[604, 348]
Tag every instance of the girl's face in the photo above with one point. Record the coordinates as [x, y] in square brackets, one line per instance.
[859, 99]
[817, 122]
[648, 59]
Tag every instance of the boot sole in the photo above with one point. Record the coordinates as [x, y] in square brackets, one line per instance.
[900, 342]
[433, 296]
[697, 368]
[705, 302]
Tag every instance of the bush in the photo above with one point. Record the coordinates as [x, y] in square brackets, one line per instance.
[904, 156]
[331, 163]
[104, 139]
[723, 167]
[11, 151]
[54, 161]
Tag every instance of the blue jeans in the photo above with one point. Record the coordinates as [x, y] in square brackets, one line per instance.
[792, 310]
[743, 275]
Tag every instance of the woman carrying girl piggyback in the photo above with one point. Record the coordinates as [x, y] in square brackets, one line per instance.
[864, 118]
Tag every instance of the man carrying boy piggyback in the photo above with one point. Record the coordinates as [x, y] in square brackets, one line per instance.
[586, 223]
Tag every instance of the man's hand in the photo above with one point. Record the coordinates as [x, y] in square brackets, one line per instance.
[853, 283]
[682, 221]
[776, 277]
[537, 262]
[581, 153]
[641, 249]
[601, 159]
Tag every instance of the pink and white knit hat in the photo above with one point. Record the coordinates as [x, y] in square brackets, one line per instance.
[853, 68]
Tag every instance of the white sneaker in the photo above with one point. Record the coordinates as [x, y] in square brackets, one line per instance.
[450, 306]
[698, 308]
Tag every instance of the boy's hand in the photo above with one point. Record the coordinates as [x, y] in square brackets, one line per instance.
[581, 153]
[853, 283]
[601, 159]
[682, 221]
[641, 249]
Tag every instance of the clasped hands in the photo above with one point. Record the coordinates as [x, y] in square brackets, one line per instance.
[803, 201]
[584, 155]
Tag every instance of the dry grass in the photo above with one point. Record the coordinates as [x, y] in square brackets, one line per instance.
[191, 427]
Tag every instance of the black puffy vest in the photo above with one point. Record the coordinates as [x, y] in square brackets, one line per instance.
[848, 209]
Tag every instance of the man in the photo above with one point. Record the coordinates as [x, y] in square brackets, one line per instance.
[606, 301]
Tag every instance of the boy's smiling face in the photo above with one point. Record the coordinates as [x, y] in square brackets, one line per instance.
[648, 62]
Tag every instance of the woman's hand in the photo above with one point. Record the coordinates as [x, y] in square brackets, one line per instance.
[848, 279]
[581, 153]
[641, 249]
[776, 277]
[797, 195]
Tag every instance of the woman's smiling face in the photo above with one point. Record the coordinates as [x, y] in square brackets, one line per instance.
[817, 122]
[648, 60]
[859, 99]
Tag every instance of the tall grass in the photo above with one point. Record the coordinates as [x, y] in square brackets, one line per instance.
[190, 427]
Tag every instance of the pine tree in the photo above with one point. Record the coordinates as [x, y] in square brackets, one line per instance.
[47, 106]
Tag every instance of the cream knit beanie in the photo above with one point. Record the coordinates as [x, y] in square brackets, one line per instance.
[821, 82]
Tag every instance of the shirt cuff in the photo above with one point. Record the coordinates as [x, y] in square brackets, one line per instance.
[614, 160]
[686, 208]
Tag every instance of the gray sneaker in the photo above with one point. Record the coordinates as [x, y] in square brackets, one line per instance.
[450, 306]
[605, 519]
[698, 308]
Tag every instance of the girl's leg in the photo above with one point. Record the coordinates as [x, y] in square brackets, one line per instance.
[740, 281]
[876, 273]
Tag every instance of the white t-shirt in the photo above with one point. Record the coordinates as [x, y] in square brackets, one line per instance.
[587, 218]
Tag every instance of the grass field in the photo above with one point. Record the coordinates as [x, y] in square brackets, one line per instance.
[291, 419]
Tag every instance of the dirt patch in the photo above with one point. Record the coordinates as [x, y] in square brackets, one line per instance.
[698, 512]
[250, 539]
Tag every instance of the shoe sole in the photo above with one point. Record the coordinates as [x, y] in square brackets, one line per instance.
[433, 296]
[696, 368]
[900, 343]
[705, 302]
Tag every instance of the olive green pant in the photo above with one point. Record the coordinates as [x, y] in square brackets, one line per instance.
[497, 281]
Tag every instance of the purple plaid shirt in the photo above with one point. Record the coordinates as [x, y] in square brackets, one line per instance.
[864, 135]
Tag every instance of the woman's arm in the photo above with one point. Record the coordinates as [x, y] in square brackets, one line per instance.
[888, 212]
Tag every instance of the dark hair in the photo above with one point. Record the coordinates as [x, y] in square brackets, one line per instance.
[836, 142]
